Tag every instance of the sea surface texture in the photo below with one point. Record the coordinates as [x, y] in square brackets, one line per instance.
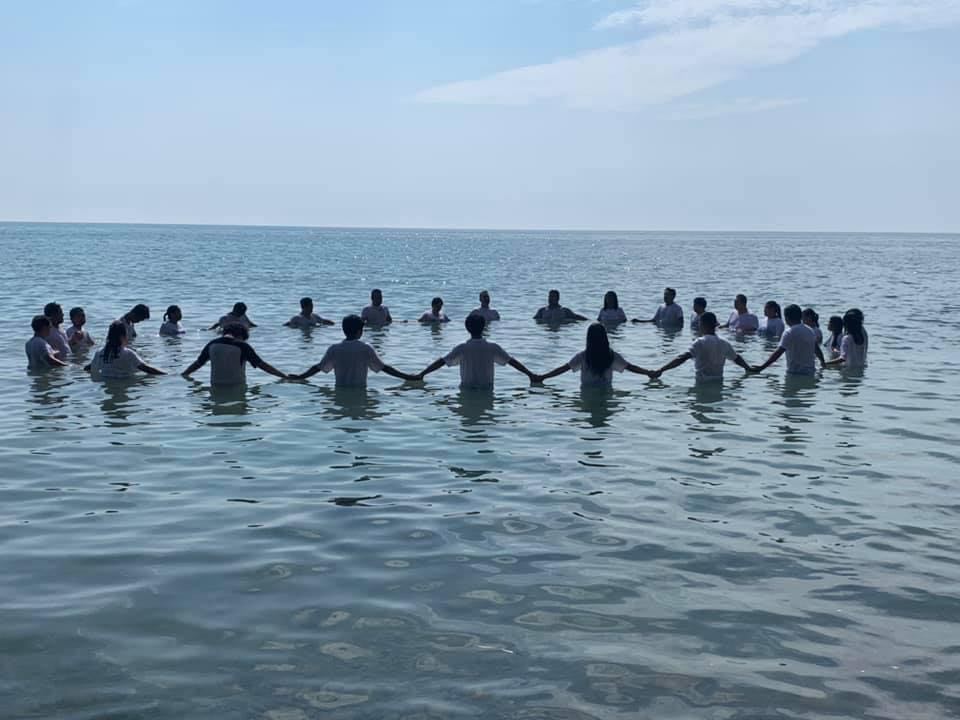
[765, 549]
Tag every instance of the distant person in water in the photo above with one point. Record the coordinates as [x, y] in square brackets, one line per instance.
[237, 316]
[138, 313]
[228, 356]
[668, 315]
[812, 321]
[40, 356]
[476, 358]
[553, 312]
[435, 314]
[699, 308]
[171, 322]
[708, 351]
[799, 343]
[57, 338]
[485, 311]
[351, 358]
[376, 313]
[612, 313]
[835, 328]
[741, 319]
[773, 323]
[115, 361]
[78, 338]
[597, 362]
[307, 318]
[853, 346]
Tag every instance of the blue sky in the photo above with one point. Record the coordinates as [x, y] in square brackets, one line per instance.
[664, 114]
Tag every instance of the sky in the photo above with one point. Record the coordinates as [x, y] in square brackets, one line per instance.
[576, 114]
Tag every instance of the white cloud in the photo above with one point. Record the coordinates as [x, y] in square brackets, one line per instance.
[739, 106]
[695, 44]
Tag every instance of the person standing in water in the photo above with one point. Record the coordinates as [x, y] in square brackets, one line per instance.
[597, 362]
[376, 313]
[57, 339]
[40, 356]
[554, 313]
[799, 343]
[773, 324]
[669, 315]
[306, 318]
[171, 322]
[709, 353]
[435, 314]
[812, 320]
[699, 308]
[115, 361]
[237, 316]
[611, 313]
[853, 346]
[78, 338]
[741, 320]
[485, 311]
[229, 355]
[138, 313]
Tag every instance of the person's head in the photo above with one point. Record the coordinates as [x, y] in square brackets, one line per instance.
[553, 298]
[708, 323]
[306, 305]
[475, 325]
[740, 303]
[810, 317]
[116, 339]
[858, 312]
[239, 309]
[669, 295]
[40, 325]
[352, 326]
[54, 312]
[376, 297]
[853, 325]
[699, 305]
[610, 300]
[835, 324]
[598, 356]
[78, 317]
[173, 314]
[238, 331]
[138, 313]
[436, 305]
[792, 314]
[771, 309]
[484, 298]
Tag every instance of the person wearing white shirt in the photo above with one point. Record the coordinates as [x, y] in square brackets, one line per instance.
[742, 320]
[668, 315]
[352, 358]
[237, 316]
[57, 338]
[853, 346]
[799, 343]
[476, 358]
[306, 318]
[229, 356]
[485, 311]
[773, 323]
[376, 313]
[115, 361]
[612, 313]
[708, 352]
[138, 313]
[554, 313]
[435, 314]
[78, 338]
[597, 362]
[835, 326]
[699, 308]
[171, 322]
[40, 356]
[812, 320]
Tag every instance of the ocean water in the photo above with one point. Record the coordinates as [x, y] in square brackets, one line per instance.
[765, 549]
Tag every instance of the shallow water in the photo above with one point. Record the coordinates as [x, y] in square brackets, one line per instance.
[768, 549]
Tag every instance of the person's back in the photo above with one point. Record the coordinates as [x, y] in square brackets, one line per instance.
[350, 359]
[709, 354]
[854, 355]
[476, 359]
[38, 353]
[118, 365]
[228, 358]
[800, 344]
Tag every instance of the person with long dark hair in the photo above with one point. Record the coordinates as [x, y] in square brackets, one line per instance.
[596, 362]
[115, 360]
[612, 313]
[773, 320]
[853, 347]
[835, 326]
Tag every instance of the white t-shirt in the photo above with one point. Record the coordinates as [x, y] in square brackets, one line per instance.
[231, 319]
[773, 327]
[172, 328]
[488, 313]
[819, 333]
[350, 360]
[800, 344]
[131, 330]
[588, 377]
[556, 314]
[743, 323]
[39, 353]
[429, 317]
[669, 315]
[854, 356]
[228, 359]
[476, 358]
[376, 315]
[302, 321]
[709, 353]
[124, 365]
[694, 323]
[612, 315]
[57, 339]
[83, 337]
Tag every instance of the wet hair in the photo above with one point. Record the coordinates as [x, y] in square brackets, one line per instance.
[475, 324]
[237, 330]
[239, 309]
[113, 344]
[741, 298]
[835, 326]
[140, 312]
[700, 302]
[304, 301]
[376, 291]
[39, 322]
[853, 325]
[352, 325]
[792, 314]
[775, 306]
[51, 309]
[554, 292]
[76, 311]
[436, 301]
[670, 291]
[484, 293]
[610, 300]
[812, 314]
[170, 311]
[709, 320]
[598, 356]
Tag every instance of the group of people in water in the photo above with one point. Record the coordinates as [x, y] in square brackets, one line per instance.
[800, 339]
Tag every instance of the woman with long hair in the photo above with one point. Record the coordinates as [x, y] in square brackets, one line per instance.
[115, 360]
[596, 362]
[853, 346]
[612, 313]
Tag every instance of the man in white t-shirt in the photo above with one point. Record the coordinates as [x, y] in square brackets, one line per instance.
[485, 311]
[668, 315]
[40, 356]
[229, 355]
[741, 319]
[138, 313]
[554, 313]
[709, 353]
[352, 358]
[376, 313]
[57, 339]
[476, 358]
[799, 342]
[307, 318]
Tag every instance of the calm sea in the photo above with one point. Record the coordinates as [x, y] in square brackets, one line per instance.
[767, 549]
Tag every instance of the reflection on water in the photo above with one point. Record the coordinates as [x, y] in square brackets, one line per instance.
[598, 404]
[350, 403]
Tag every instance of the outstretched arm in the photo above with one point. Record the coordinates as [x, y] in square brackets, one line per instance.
[393, 372]
[198, 363]
[432, 367]
[313, 370]
[578, 316]
[639, 370]
[517, 365]
[774, 356]
[676, 362]
[149, 369]
[742, 363]
[271, 370]
[214, 326]
[553, 373]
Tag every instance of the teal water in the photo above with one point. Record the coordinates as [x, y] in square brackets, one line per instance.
[768, 549]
